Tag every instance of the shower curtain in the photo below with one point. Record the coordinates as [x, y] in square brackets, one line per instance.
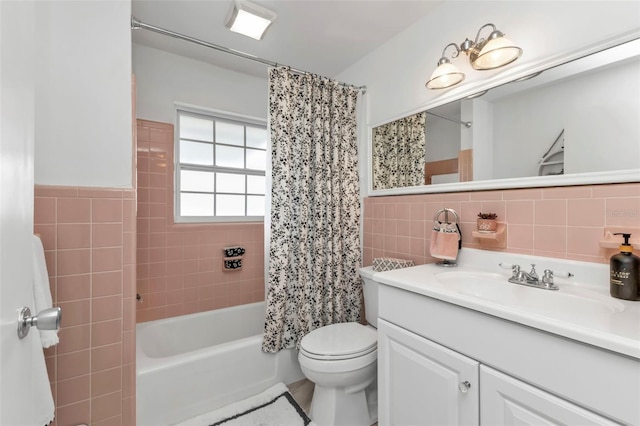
[399, 152]
[314, 250]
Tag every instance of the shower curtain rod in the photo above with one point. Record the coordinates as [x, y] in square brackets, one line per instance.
[136, 24]
[466, 124]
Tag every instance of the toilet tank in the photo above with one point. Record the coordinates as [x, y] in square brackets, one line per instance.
[370, 289]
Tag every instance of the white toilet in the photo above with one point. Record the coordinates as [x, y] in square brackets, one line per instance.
[341, 359]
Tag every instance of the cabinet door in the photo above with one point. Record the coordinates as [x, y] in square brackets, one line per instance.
[423, 383]
[505, 400]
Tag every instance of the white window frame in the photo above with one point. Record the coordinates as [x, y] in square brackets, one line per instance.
[214, 115]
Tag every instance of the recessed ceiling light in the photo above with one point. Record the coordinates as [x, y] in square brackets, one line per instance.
[249, 19]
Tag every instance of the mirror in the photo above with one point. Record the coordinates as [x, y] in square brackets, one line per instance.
[557, 126]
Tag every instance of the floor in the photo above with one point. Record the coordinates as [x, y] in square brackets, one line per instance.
[302, 392]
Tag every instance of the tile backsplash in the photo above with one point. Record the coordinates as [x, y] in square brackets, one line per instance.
[179, 269]
[561, 222]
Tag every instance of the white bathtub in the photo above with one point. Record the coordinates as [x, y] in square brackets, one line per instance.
[192, 364]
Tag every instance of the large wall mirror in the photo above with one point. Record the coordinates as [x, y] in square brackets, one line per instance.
[577, 122]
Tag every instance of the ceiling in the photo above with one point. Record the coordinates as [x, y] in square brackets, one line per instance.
[320, 36]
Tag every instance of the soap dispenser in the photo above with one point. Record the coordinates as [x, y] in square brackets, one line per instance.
[625, 272]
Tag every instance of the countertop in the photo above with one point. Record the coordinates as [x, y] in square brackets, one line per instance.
[608, 323]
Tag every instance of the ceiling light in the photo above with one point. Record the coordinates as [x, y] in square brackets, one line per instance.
[484, 54]
[249, 19]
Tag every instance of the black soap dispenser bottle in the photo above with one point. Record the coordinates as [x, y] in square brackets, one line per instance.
[625, 272]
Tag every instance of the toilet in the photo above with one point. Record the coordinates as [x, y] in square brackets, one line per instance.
[341, 359]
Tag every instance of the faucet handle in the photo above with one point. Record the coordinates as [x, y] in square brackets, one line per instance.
[562, 274]
[512, 266]
[515, 269]
[547, 280]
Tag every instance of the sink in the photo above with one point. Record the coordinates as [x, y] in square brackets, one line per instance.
[571, 303]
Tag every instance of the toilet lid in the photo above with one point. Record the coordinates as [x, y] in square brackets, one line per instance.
[339, 341]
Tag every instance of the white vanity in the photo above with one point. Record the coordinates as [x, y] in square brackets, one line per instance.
[464, 346]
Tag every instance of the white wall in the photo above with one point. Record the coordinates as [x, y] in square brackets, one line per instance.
[396, 72]
[83, 93]
[163, 78]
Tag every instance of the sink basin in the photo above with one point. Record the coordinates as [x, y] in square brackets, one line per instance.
[570, 303]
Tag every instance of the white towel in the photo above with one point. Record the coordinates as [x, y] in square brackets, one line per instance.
[42, 291]
[43, 406]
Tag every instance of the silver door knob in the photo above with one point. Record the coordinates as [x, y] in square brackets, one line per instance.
[48, 319]
[464, 386]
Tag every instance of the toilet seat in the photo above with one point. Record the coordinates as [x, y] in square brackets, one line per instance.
[339, 342]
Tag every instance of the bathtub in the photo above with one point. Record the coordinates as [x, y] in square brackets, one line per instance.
[192, 364]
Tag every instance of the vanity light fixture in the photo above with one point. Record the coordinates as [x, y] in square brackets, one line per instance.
[249, 19]
[484, 54]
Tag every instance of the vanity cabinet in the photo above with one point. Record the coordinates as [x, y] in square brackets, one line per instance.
[440, 363]
[423, 383]
[507, 401]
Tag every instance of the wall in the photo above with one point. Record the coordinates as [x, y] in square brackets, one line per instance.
[180, 265]
[565, 223]
[83, 93]
[179, 268]
[164, 78]
[84, 204]
[89, 240]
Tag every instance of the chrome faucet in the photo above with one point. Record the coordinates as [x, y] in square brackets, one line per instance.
[532, 279]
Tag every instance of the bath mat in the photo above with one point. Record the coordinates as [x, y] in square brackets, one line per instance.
[273, 407]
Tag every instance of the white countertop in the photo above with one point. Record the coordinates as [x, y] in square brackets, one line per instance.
[608, 323]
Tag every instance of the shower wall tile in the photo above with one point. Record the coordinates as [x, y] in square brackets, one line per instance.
[179, 266]
[561, 222]
[89, 238]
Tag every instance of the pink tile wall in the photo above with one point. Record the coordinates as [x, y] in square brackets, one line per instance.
[179, 269]
[89, 241]
[560, 222]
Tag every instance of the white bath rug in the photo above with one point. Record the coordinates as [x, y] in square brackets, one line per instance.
[273, 407]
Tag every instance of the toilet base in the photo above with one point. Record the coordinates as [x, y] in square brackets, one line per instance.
[344, 407]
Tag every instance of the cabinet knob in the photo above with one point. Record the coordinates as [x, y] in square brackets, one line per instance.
[464, 386]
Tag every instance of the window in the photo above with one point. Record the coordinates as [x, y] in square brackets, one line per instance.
[220, 168]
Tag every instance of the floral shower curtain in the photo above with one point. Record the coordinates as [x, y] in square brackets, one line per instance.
[314, 251]
[398, 152]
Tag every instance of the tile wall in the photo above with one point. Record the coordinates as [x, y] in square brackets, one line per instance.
[179, 269]
[89, 241]
[560, 222]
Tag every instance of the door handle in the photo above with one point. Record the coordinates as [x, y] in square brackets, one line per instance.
[48, 319]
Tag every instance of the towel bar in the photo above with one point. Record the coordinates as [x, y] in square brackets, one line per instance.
[436, 218]
[446, 211]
